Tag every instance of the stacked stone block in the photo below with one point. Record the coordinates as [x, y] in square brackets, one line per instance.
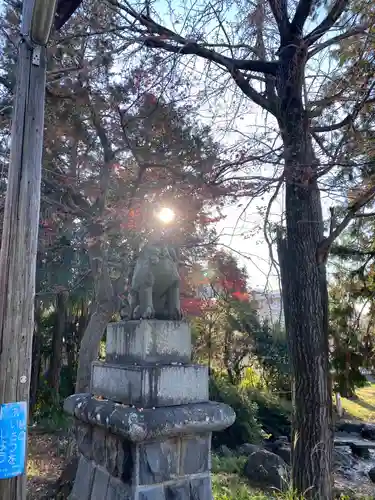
[144, 432]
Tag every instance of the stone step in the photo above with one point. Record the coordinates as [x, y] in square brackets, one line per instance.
[150, 386]
[353, 441]
[148, 341]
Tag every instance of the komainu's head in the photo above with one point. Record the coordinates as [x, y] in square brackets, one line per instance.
[155, 253]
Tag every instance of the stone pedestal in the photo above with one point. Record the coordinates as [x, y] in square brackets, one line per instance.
[145, 431]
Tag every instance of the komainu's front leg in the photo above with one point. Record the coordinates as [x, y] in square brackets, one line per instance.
[147, 310]
[174, 305]
[133, 304]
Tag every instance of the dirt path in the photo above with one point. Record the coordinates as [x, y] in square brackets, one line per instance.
[45, 462]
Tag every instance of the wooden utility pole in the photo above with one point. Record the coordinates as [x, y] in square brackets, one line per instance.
[19, 246]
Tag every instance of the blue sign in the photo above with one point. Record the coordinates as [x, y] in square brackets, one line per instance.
[13, 422]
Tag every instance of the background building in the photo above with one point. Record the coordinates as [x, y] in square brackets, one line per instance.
[269, 305]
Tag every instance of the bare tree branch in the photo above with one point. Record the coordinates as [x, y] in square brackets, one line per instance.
[302, 13]
[280, 13]
[350, 118]
[321, 104]
[335, 126]
[365, 215]
[192, 48]
[337, 39]
[248, 90]
[333, 15]
[361, 201]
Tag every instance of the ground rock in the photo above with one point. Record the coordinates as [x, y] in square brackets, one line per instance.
[224, 451]
[248, 449]
[368, 432]
[285, 453]
[341, 459]
[350, 427]
[371, 474]
[360, 452]
[280, 442]
[267, 469]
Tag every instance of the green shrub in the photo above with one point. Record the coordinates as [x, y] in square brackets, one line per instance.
[246, 428]
[228, 465]
[272, 414]
[231, 487]
[48, 413]
[252, 379]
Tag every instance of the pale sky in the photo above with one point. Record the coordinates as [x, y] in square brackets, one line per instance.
[233, 119]
[230, 122]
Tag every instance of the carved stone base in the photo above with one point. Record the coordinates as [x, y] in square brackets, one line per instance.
[93, 482]
[150, 386]
[145, 433]
[129, 454]
[148, 342]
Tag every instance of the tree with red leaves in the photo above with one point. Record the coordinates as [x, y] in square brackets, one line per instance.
[222, 296]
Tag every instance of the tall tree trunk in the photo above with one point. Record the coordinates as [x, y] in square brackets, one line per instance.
[36, 359]
[304, 279]
[82, 322]
[209, 348]
[57, 345]
[104, 306]
[90, 344]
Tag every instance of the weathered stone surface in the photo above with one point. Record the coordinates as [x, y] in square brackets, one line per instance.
[360, 451]
[368, 432]
[341, 459]
[153, 493]
[112, 445]
[358, 442]
[178, 491]
[274, 445]
[84, 439]
[125, 461]
[155, 287]
[117, 490]
[158, 461]
[285, 453]
[200, 488]
[148, 424]
[150, 386]
[248, 448]
[371, 474]
[100, 484]
[267, 469]
[148, 341]
[195, 452]
[84, 479]
[98, 446]
[350, 427]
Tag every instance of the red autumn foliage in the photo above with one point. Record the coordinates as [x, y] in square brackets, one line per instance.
[195, 306]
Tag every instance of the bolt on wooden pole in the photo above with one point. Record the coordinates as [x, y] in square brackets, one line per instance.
[19, 243]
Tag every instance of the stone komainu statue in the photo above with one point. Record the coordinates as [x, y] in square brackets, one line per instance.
[155, 287]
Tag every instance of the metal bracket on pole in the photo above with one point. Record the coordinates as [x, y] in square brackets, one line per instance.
[36, 55]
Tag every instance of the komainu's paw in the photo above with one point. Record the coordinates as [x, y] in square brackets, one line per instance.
[149, 313]
[136, 313]
[176, 315]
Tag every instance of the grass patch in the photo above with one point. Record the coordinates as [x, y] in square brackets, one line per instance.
[232, 487]
[362, 408]
[33, 468]
[229, 484]
[228, 465]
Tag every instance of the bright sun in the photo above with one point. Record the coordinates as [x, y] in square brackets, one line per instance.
[166, 215]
